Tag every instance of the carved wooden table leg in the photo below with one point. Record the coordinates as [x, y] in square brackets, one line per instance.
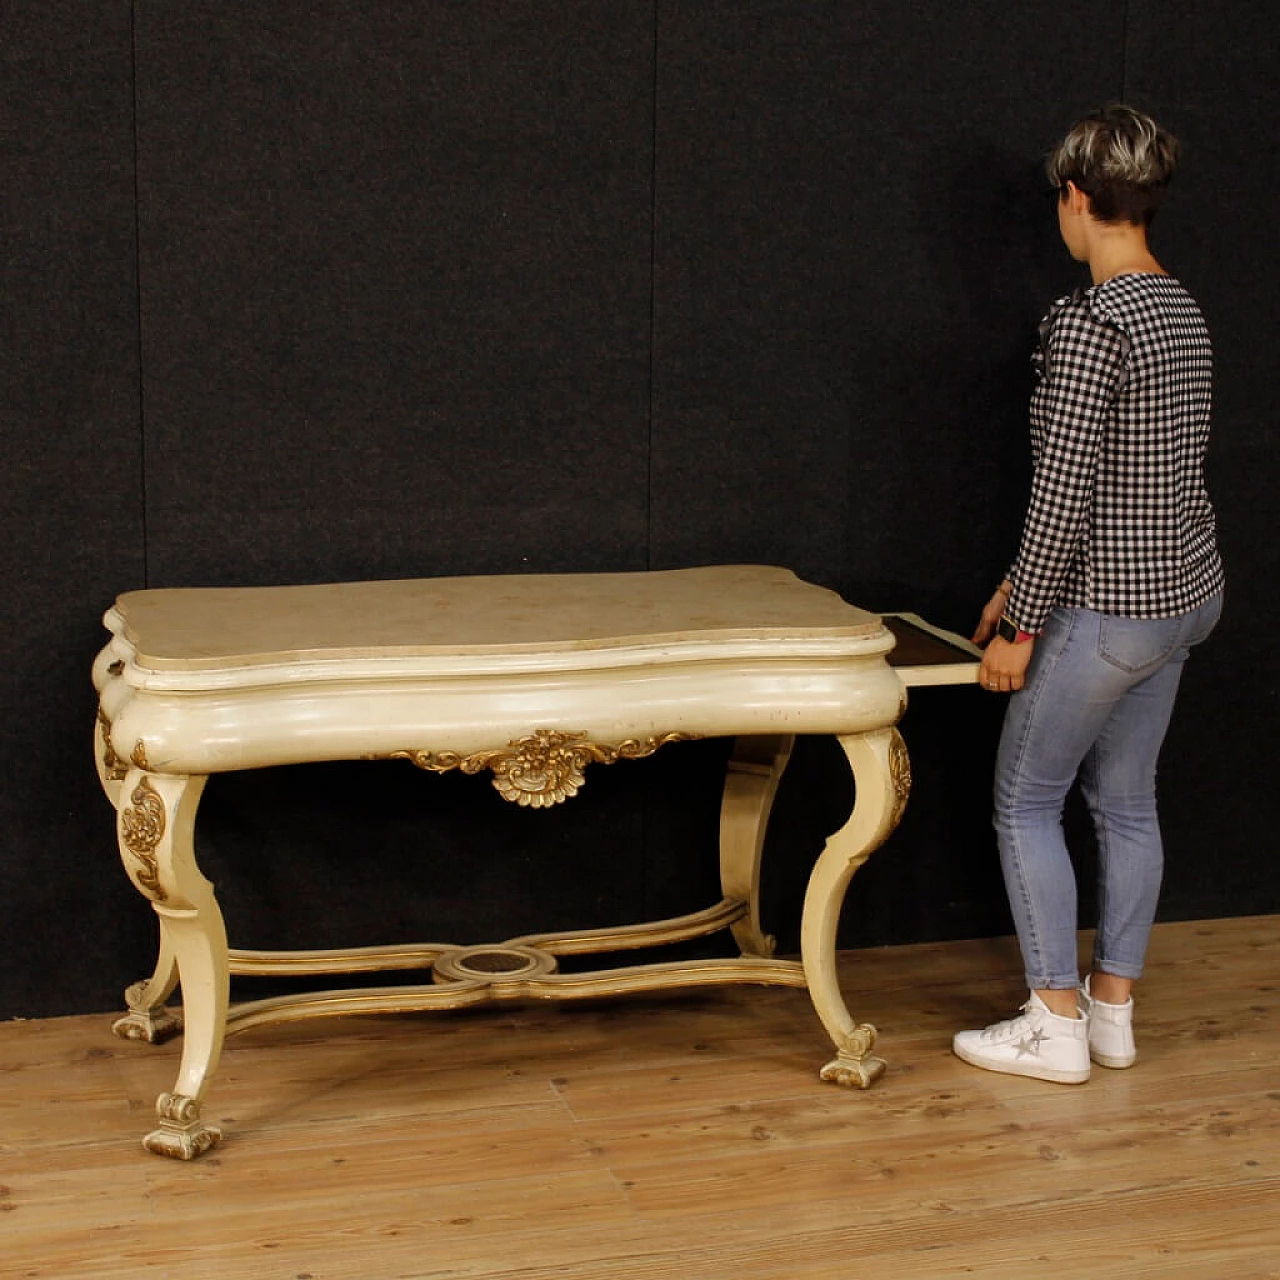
[882, 778]
[156, 823]
[148, 1019]
[750, 784]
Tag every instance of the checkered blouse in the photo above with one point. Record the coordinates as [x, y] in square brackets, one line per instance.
[1119, 520]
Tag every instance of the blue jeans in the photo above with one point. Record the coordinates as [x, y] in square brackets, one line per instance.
[1096, 704]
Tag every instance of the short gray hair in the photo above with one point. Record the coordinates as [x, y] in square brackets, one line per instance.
[1119, 157]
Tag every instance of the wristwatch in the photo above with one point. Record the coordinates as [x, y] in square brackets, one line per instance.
[1006, 630]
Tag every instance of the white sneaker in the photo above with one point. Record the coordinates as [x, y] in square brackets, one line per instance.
[1110, 1030]
[1035, 1043]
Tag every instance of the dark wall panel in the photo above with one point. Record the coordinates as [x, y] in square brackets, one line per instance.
[1209, 72]
[852, 251]
[395, 275]
[395, 269]
[490, 285]
[70, 443]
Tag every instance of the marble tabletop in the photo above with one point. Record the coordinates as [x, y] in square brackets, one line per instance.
[194, 629]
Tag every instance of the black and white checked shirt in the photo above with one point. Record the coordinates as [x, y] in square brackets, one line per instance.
[1119, 520]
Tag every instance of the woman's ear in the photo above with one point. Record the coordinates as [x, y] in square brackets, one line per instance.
[1077, 200]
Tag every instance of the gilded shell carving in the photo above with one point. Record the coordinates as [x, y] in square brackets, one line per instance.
[543, 768]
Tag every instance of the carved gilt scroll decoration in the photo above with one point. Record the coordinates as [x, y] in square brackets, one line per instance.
[900, 774]
[543, 768]
[142, 827]
[113, 768]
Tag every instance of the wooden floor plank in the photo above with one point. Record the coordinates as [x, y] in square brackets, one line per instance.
[684, 1136]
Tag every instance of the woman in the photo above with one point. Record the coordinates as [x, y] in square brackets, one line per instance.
[1117, 577]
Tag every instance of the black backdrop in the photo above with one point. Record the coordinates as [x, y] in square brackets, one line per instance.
[318, 291]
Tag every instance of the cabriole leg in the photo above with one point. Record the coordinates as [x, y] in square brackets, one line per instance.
[882, 778]
[156, 827]
[750, 784]
[148, 1019]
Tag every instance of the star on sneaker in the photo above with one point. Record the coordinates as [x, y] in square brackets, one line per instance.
[1031, 1043]
[1035, 1043]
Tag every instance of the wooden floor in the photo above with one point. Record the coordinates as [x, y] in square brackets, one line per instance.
[683, 1137]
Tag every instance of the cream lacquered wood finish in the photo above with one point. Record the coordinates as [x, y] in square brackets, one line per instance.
[534, 678]
[211, 680]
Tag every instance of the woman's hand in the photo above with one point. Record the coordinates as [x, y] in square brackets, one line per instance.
[1004, 665]
[992, 614]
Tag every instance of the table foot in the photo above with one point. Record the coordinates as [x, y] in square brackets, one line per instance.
[147, 1018]
[853, 1073]
[181, 1135]
[854, 1065]
[155, 1024]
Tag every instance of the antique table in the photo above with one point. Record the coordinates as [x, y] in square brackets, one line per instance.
[532, 678]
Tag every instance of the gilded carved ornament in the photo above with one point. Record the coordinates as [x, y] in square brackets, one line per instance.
[177, 1108]
[112, 765]
[142, 827]
[899, 774]
[113, 768]
[858, 1041]
[542, 769]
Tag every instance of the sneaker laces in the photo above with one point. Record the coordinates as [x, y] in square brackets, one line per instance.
[998, 1029]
